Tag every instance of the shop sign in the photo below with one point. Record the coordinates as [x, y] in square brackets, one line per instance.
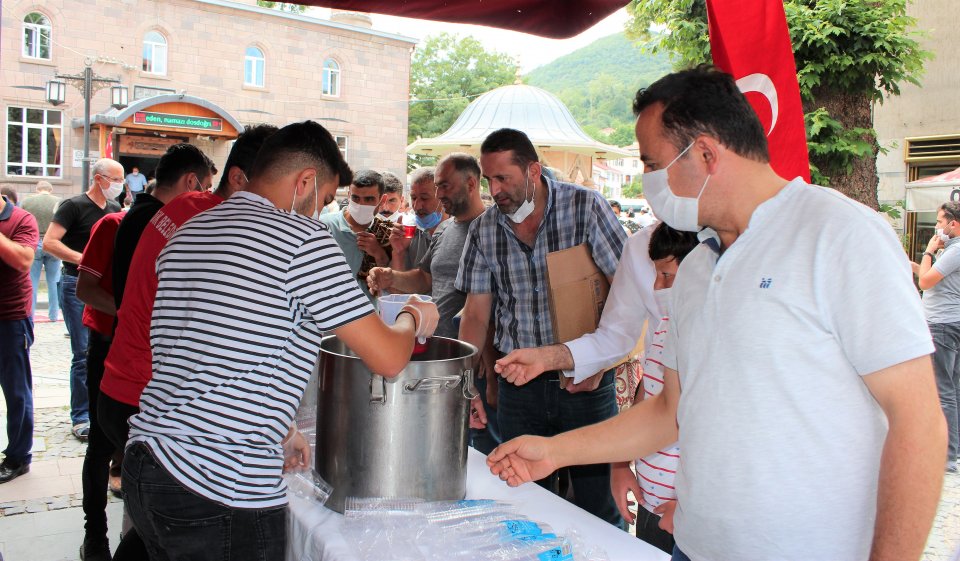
[177, 121]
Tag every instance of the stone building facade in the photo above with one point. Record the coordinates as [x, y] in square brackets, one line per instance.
[195, 71]
[920, 128]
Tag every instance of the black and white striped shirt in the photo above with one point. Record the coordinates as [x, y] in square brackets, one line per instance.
[244, 293]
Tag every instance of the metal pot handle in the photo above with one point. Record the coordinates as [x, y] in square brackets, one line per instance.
[378, 389]
[432, 385]
[469, 389]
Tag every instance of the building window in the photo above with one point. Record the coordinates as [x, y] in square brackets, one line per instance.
[143, 92]
[331, 78]
[34, 144]
[342, 142]
[36, 36]
[253, 67]
[155, 53]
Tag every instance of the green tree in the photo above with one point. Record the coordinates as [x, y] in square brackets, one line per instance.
[446, 74]
[633, 190]
[282, 6]
[849, 54]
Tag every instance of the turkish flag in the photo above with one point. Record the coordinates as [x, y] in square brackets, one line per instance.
[108, 149]
[750, 40]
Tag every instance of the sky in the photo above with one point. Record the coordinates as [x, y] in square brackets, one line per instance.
[530, 50]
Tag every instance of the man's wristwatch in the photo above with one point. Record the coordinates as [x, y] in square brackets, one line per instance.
[930, 254]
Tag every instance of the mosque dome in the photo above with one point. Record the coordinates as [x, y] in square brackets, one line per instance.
[537, 112]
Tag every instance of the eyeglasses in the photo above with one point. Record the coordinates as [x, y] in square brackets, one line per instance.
[111, 179]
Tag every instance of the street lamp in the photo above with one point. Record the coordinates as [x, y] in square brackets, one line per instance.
[118, 94]
[56, 92]
[88, 86]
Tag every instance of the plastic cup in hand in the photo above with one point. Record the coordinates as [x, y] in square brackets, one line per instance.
[389, 306]
[409, 227]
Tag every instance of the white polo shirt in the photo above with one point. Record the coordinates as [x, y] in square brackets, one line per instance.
[781, 439]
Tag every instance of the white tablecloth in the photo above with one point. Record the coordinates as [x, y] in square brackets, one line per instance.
[315, 532]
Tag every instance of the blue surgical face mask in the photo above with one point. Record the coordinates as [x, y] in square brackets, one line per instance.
[430, 221]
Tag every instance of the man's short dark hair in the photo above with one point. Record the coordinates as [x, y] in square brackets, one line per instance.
[951, 210]
[704, 100]
[10, 193]
[463, 163]
[667, 242]
[504, 140]
[615, 204]
[179, 160]
[298, 146]
[245, 150]
[369, 178]
[391, 183]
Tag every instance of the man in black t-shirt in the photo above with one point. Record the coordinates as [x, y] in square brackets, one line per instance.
[65, 239]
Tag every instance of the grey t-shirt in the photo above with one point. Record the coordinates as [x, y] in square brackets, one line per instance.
[419, 245]
[941, 303]
[442, 261]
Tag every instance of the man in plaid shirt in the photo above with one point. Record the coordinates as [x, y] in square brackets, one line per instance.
[503, 270]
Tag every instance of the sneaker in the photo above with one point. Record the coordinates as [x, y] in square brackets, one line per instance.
[10, 471]
[95, 549]
[81, 431]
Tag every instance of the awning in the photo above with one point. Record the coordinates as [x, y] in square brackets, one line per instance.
[557, 19]
[927, 194]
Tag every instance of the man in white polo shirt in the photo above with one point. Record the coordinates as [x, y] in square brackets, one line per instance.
[808, 417]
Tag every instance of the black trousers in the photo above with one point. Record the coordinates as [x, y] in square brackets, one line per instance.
[96, 462]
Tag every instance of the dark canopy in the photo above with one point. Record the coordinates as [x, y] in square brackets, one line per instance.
[557, 19]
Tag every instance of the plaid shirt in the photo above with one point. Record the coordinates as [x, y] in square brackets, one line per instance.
[496, 261]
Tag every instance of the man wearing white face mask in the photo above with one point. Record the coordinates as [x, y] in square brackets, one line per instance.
[940, 282]
[801, 389]
[503, 273]
[351, 226]
[65, 239]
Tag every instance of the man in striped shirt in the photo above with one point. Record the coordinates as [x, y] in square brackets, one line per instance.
[245, 290]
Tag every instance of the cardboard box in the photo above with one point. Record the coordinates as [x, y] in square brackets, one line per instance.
[578, 291]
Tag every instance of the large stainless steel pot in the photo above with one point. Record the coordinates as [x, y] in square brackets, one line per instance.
[399, 437]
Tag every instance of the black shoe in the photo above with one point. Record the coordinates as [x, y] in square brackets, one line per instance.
[95, 549]
[10, 471]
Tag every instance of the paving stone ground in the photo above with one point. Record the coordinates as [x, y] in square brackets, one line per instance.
[49, 528]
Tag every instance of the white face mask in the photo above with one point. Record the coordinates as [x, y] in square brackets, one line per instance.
[525, 209]
[662, 296]
[680, 213]
[113, 191]
[361, 214]
[316, 206]
[943, 237]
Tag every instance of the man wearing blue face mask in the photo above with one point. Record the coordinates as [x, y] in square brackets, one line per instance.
[428, 215]
[800, 388]
[503, 272]
[65, 239]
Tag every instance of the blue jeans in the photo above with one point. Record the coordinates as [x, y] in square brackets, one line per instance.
[79, 339]
[946, 366]
[542, 408]
[51, 265]
[16, 380]
[679, 555]
[177, 524]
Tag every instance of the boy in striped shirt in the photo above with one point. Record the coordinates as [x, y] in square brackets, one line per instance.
[653, 483]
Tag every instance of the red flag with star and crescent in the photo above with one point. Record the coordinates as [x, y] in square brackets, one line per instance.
[750, 40]
[108, 149]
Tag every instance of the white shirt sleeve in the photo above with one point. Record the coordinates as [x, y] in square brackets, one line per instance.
[629, 304]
